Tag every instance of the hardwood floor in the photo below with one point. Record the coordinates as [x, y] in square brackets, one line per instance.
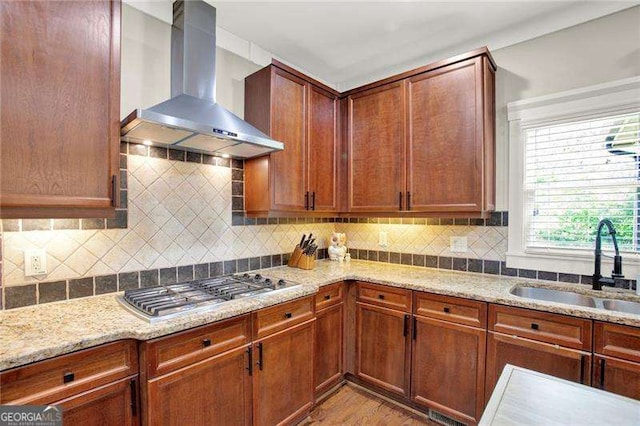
[353, 406]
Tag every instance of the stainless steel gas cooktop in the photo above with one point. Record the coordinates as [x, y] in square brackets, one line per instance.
[170, 301]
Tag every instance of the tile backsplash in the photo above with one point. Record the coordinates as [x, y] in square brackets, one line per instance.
[182, 218]
[179, 214]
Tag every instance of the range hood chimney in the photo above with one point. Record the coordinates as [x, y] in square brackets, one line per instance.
[192, 120]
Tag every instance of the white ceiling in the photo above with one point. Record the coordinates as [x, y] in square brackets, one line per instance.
[350, 43]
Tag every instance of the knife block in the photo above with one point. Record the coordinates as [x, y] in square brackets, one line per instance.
[307, 262]
[295, 257]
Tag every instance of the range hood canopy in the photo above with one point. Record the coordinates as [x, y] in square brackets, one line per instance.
[191, 119]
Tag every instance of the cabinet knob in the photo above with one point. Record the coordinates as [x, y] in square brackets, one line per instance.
[288, 315]
[327, 297]
[534, 326]
[381, 296]
[68, 377]
[446, 310]
[206, 342]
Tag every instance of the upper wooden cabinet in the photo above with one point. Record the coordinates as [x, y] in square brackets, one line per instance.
[424, 141]
[304, 177]
[60, 102]
[376, 149]
[449, 155]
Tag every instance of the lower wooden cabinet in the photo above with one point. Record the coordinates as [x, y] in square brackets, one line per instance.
[617, 376]
[568, 364]
[447, 371]
[115, 404]
[283, 389]
[216, 391]
[328, 348]
[383, 347]
[617, 360]
[94, 386]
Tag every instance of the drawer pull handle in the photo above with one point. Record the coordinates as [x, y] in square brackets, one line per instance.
[327, 297]
[206, 343]
[288, 315]
[381, 296]
[535, 326]
[68, 377]
[260, 361]
[446, 310]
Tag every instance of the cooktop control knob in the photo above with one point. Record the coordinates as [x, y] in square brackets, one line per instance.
[257, 277]
[268, 281]
[281, 282]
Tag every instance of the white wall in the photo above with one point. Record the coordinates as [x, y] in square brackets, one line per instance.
[145, 61]
[598, 51]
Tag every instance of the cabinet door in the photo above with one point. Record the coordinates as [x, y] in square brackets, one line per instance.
[283, 379]
[376, 143]
[328, 353]
[288, 167]
[216, 390]
[114, 404]
[60, 103]
[448, 368]
[568, 364]
[617, 376]
[323, 150]
[383, 347]
[445, 144]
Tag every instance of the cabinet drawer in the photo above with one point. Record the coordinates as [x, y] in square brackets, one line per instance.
[275, 318]
[54, 379]
[542, 326]
[385, 296]
[329, 295]
[452, 309]
[169, 353]
[618, 341]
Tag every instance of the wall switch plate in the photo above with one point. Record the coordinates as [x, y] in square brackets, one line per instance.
[382, 239]
[458, 244]
[35, 262]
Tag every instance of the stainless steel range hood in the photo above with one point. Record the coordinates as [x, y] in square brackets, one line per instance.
[191, 119]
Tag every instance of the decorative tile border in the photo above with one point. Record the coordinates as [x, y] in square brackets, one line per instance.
[496, 219]
[492, 267]
[53, 291]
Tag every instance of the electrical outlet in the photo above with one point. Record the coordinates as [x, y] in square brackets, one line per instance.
[382, 239]
[35, 262]
[458, 244]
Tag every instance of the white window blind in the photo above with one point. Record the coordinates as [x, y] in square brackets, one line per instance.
[577, 173]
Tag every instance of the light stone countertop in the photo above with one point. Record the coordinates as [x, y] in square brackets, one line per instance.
[43, 331]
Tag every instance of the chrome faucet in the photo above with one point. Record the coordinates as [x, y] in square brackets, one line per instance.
[598, 279]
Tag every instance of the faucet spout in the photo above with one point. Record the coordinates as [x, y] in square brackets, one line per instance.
[598, 279]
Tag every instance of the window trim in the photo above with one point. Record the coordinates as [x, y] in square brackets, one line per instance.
[617, 97]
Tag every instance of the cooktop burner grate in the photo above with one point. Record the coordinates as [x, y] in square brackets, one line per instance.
[199, 295]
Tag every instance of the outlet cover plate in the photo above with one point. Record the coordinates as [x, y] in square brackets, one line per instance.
[35, 262]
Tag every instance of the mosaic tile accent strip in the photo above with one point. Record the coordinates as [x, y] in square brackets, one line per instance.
[482, 266]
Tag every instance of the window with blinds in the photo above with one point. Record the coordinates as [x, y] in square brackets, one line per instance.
[577, 173]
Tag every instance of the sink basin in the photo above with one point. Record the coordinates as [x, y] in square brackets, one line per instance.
[622, 306]
[558, 296]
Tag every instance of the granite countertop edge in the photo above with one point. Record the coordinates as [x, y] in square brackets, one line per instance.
[39, 332]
